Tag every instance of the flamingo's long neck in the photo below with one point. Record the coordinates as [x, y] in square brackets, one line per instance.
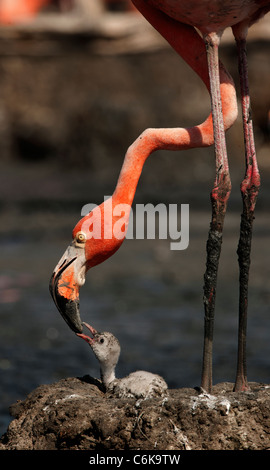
[187, 43]
[149, 141]
[190, 46]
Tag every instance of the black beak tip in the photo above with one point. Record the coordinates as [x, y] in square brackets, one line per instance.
[71, 315]
[69, 309]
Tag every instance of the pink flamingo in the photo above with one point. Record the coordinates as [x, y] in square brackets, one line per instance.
[15, 11]
[176, 21]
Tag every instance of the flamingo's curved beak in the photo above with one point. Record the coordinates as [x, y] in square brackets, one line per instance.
[66, 280]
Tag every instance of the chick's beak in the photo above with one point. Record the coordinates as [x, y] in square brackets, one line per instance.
[88, 339]
[66, 280]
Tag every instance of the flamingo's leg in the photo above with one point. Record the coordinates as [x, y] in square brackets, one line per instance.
[191, 47]
[219, 198]
[249, 190]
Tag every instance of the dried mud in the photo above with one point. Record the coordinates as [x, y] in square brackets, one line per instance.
[75, 414]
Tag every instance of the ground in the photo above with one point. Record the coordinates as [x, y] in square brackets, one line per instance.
[75, 414]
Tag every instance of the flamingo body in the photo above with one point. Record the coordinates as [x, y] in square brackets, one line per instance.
[212, 15]
[15, 11]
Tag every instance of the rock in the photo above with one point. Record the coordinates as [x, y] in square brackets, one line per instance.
[76, 414]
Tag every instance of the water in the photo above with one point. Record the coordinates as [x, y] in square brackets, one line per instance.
[147, 295]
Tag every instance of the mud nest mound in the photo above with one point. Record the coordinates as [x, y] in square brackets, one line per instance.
[76, 414]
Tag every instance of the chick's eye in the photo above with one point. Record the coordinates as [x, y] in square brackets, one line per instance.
[101, 340]
[80, 237]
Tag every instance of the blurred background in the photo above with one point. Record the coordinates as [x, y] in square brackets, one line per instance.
[79, 81]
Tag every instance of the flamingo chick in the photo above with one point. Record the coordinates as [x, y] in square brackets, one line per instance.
[139, 384]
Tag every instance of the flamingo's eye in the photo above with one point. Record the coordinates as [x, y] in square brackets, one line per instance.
[80, 237]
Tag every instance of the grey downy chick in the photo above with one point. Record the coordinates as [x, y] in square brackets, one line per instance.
[139, 384]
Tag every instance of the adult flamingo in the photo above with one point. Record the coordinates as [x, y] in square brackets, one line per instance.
[177, 24]
[211, 18]
[15, 11]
